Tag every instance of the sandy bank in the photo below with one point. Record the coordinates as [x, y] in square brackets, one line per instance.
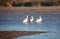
[30, 9]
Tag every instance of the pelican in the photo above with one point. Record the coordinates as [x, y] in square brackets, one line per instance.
[32, 19]
[39, 19]
[25, 21]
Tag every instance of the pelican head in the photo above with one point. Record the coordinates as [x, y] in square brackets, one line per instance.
[40, 17]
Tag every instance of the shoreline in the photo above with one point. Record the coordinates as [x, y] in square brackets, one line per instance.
[30, 9]
[14, 34]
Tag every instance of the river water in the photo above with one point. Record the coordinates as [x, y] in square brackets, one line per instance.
[50, 22]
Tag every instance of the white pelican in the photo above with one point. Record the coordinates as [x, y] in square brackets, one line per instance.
[25, 21]
[39, 19]
[32, 19]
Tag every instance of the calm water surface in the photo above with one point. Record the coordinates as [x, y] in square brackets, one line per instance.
[50, 22]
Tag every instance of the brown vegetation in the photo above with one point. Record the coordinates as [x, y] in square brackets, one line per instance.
[8, 3]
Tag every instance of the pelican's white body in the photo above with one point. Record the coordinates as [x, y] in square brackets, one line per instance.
[26, 19]
[32, 19]
[39, 19]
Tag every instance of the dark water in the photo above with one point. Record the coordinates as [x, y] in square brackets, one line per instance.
[50, 22]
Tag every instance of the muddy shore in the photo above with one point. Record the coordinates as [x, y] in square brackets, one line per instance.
[13, 34]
